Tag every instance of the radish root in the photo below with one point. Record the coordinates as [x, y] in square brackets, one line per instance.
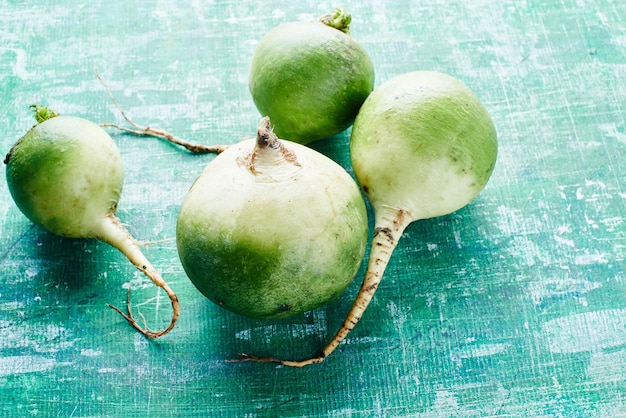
[386, 235]
[155, 132]
[113, 233]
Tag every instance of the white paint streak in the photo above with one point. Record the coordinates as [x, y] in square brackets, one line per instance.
[48, 338]
[445, 402]
[590, 258]
[269, 332]
[278, 14]
[481, 350]
[510, 221]
[364, 340]
[564, 229]
[525, 249]
[457, 239]
[90, 352]
[31, 272]
[587, 332]
[558, 235]
[564, 241]
[595, 183]
[19, 66]
[610, 130]
[139, 281]
[593, 191]
[579, 193]
[591, 222]
[398, 316]
[607, 367]
[545, 289]
[12, 365]
[10, 306]
[140, 343]
[611, 223]
[243, 334]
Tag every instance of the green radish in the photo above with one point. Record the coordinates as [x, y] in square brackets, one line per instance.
[311, 78]
[65, 175]
[272, 228]
[422, 146]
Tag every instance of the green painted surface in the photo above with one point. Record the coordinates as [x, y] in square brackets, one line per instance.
[513, 306]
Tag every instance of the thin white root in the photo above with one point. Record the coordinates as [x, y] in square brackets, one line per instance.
[155, 132]
[144, 329]
[158, 241]
[246, 357]
[114, 233]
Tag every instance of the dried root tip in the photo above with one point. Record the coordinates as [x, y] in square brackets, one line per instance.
[290, 363]
[265, 136]
[339, 19]
[144, 329]
[160, 133]
[114, 233]
[270, 154]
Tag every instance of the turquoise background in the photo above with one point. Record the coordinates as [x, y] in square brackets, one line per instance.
[512, 306]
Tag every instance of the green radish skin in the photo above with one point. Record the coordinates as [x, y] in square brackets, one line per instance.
[272, 228]
[50, 158]
[447, 154]
[422, 146]
[66, 176]
[310, 78]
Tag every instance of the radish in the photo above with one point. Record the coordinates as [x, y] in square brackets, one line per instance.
[422, 146]
[65, 175]
[272, 228]
[311, 78]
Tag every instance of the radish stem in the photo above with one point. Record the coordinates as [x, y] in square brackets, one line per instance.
[113, 233]
[42, 113]
[339, 19]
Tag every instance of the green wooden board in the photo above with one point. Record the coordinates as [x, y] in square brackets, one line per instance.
[513, 306]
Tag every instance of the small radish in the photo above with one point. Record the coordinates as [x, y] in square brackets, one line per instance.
[311, 78]
[422, 146]
[66, 176]
[272, 228]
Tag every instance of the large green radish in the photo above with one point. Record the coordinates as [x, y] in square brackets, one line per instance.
[311, 78]
[422, 146]
[272, 228]
[65, 174]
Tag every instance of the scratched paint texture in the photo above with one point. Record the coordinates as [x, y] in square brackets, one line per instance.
[513, 306]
